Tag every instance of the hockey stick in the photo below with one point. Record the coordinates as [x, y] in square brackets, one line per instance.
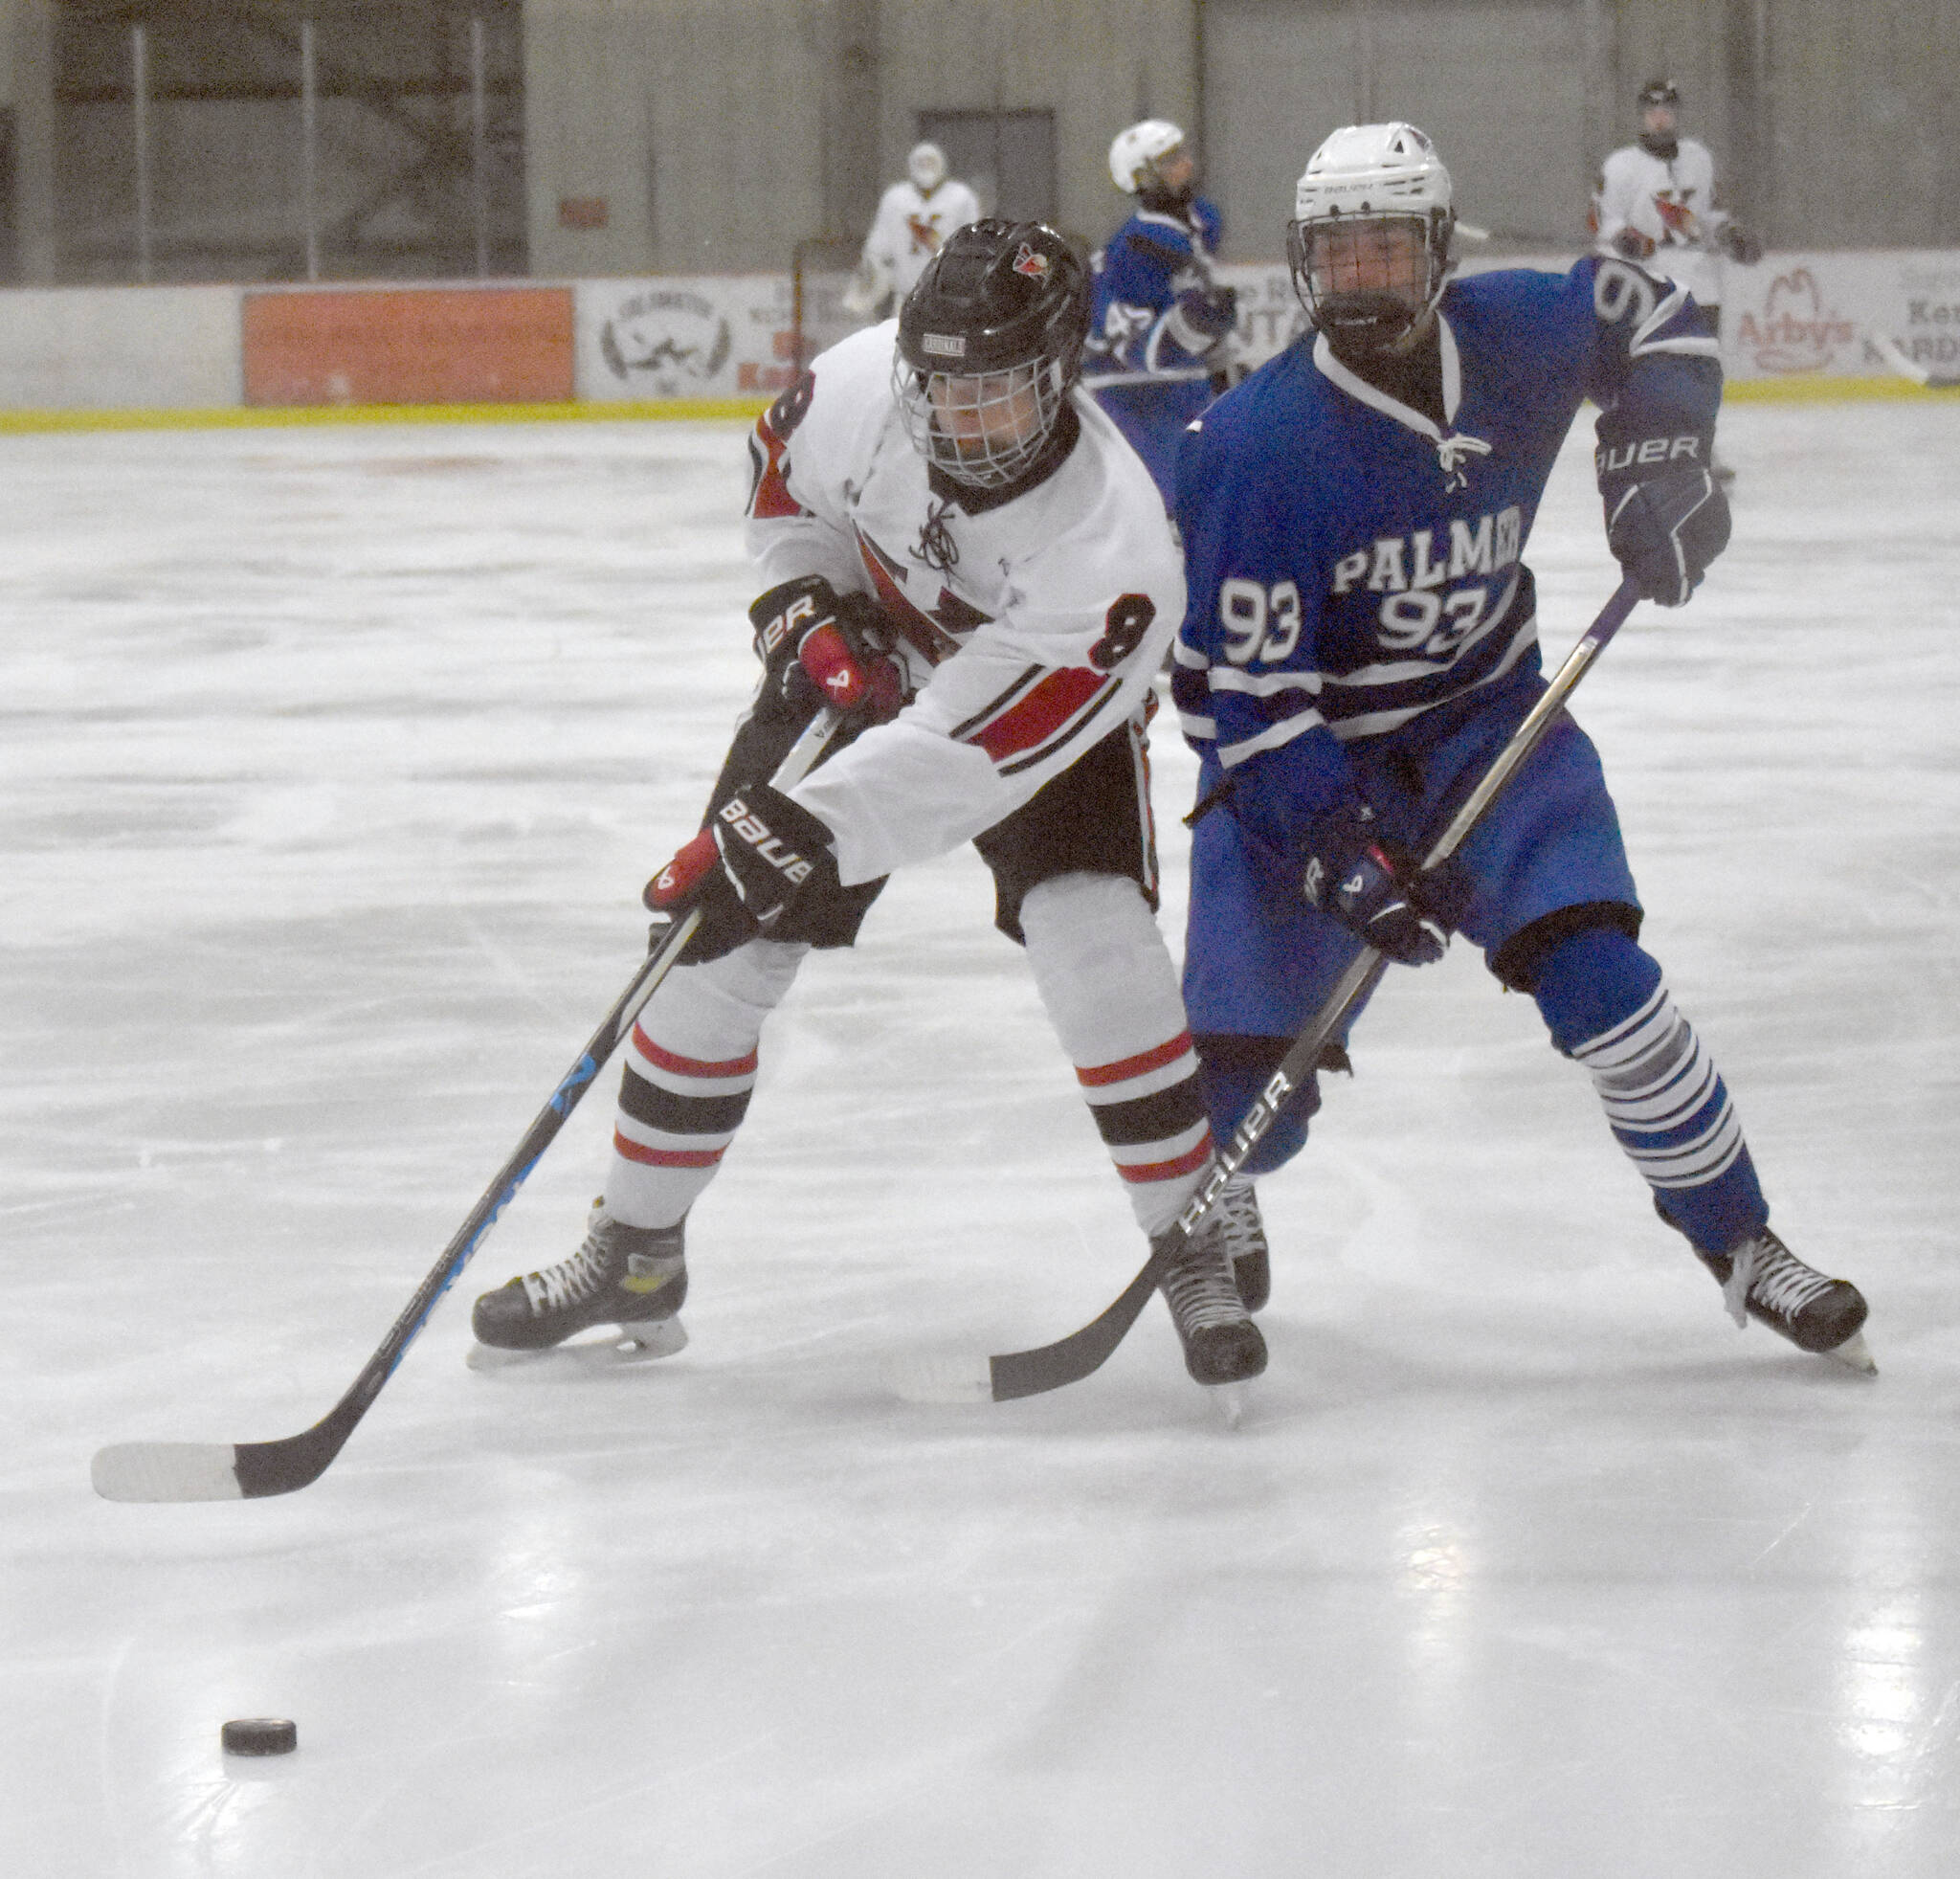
[1905, 366]
[958, 1378]
[246, 1470]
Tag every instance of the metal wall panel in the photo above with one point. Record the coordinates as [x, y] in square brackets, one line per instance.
[1502, 88]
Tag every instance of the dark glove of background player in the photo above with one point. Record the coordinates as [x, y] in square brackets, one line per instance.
[761, 855]
[821, 647]
[1666, 529]
[1380, 897]
[1202, 317]
[1740, 245]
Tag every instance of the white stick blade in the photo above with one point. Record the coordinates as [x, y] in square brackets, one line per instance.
[1906, 368]
[1856, 1353]
[166, 1472]
[940, 1376]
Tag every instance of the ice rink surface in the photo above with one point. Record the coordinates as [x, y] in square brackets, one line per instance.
[334, 762]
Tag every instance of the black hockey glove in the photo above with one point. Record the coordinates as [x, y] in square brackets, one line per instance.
[1202, 317]
[1665, 530]
[1740, 245]
[1632, 245]
[821, 647]
[760, 855]
[1380, 897]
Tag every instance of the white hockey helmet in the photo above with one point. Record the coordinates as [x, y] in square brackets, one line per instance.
[1134, 154]
[1375, 173]
[927, 167]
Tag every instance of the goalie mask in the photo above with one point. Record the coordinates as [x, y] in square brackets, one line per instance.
[989, 341]
[927, 167]
[1369, 245]
[1660, 104]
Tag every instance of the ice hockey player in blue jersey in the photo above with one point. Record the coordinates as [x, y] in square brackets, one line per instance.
[1160, 327]
[1359, 643]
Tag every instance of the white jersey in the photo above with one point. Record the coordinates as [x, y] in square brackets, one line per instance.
[1674, 203]
[1033, 625]
[909, 228]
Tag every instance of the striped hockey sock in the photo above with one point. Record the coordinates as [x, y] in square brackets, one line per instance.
[690, 1068]
[1110, 991]
[1665, 1100]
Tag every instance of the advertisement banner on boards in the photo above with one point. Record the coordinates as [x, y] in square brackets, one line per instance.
[700, 335]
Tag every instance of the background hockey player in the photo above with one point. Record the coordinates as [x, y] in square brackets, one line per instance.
[913, 220]
[1161, 328]
[1360, 642]
[1658, 203]
[939, 514]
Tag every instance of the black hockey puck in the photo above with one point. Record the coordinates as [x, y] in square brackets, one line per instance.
[259, 1735]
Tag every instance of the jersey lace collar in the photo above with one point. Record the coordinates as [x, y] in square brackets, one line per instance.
[1453, 448]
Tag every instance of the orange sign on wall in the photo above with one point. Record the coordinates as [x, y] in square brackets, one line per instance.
[409, 346]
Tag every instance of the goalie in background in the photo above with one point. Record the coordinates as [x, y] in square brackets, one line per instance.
[1162, 331]
[913, 220]
[1657, 204]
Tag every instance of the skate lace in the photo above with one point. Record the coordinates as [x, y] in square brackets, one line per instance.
[1199, 1285]
[570, 1281]
[1767, 1272]
[1237, 1214]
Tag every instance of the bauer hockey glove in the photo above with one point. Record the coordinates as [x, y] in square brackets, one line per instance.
[760, 855]
[1630, 244]
[818, 647]
[1351, 877]
[1666, 531]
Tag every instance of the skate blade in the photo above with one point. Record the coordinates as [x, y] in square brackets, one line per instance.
[1855, 1353]
[1230, 1401]
[642, 1344]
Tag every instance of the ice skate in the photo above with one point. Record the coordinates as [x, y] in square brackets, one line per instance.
[1238, 1211]
[632, 1278]
[1222, 1346]
[1764, 1280]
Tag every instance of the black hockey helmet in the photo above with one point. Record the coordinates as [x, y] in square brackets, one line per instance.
[989, 341]
[1660, 91]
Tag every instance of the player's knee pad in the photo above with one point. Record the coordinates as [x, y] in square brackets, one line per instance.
[1100, 965]
[716, 1010]
[1520, 960]
[1236, 1069]
[1087, 913]
[1589, 982]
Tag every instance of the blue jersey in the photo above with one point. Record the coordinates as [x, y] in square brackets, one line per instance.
[1137, 279]
[1145, 360]
[1353, 566]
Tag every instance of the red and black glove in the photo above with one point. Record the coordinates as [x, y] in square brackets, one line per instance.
[761, 855]
[818, 647]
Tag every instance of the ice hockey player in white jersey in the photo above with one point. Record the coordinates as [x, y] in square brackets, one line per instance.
[1658, 203]
[952, 533]
[913, 220]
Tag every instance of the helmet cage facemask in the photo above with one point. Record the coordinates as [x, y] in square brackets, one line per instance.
[1008, 416]
[989, 342]
[1370, 318]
